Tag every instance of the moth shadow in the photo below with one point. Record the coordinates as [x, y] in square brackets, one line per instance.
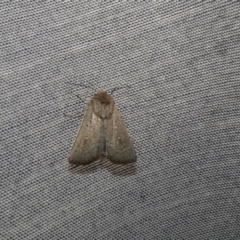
[115, 169]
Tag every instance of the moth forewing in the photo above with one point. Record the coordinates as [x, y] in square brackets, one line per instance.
[119, 145]
[85, 146]
[102, 133]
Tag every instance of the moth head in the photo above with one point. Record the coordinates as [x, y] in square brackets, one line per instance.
[103, 97]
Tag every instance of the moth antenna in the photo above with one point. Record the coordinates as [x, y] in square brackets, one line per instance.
[112, 90]
[73, 115]
[83, 85]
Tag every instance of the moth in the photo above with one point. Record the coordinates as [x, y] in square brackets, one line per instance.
[102, 133]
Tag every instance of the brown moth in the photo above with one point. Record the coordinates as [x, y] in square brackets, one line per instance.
[102, 133]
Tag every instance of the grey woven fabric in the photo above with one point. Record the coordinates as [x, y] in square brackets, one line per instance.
[181, 63]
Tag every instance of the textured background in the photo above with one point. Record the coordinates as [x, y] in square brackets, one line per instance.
[182, 61]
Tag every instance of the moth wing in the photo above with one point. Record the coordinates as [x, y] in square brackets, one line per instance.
[119, 145]
[86, 144]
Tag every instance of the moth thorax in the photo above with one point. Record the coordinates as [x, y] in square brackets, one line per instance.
[103, 97]
[102, 104]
